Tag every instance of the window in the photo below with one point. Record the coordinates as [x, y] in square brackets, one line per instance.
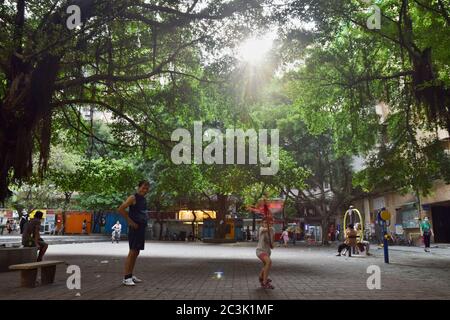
[410, 218]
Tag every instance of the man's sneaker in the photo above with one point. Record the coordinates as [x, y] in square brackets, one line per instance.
[128, 282]
[136, 279]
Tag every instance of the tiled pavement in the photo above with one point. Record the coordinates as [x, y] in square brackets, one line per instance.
[188, 271]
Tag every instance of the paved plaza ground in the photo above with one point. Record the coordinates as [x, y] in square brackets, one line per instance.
[176, 270]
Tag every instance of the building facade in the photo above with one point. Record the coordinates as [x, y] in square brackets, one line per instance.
[407, 211]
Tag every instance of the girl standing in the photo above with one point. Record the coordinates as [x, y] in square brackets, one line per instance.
[263, 251]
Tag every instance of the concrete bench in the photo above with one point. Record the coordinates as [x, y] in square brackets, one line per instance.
[16, 255]
[28, 272]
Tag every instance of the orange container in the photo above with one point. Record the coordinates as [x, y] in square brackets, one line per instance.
[74, 222]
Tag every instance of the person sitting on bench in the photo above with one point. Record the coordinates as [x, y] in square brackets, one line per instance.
[31, 236]
[350, 239]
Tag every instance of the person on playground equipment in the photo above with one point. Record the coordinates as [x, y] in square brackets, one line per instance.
[360, 243]
[350, 239]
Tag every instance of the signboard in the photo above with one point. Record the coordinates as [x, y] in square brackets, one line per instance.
[6, 213]
[200, 215]
[50, 218]
[398, 229]
[31, 216]
[378, 203]
[385, 215]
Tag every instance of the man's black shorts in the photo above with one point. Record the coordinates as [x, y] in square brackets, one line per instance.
[136, 237]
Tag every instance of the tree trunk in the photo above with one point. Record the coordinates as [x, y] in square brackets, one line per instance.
[283, 212]
[254, 223]
[193, 224]
[67, 198]
[324, 225]
[222, 210]
[160, 229]
[25, 114]
[160, 222]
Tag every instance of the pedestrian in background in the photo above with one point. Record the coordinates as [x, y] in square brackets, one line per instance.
[285, 237]
[426, 232]
[83, 227]
[9, 226]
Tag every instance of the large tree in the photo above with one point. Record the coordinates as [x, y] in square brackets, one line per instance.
[121, 45]
[348, 69]
[407, 55]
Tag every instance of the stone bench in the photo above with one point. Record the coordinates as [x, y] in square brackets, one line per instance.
[28, 272]
[16, 255]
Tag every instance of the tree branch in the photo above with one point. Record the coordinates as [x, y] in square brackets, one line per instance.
[191, 76]
[89, 134]
[164, 143]
[119, 78]
[442, 11]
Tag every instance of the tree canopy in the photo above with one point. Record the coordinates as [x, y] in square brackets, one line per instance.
[336, 85]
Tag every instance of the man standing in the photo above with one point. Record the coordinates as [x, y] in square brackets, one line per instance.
[31, 235]
[137, 221]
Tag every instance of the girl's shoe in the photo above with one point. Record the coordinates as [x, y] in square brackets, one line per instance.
[261, 280]
[267, 285]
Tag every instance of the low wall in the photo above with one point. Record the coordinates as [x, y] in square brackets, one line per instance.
[10, 256]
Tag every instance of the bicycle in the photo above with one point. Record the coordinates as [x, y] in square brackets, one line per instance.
[401, 240]
[115, 236]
